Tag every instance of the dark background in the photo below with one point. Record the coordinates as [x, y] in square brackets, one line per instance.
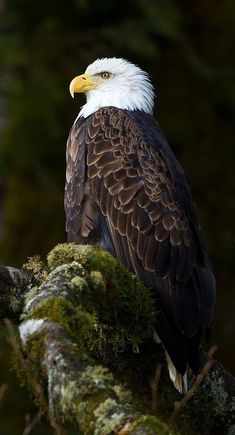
[188, 48]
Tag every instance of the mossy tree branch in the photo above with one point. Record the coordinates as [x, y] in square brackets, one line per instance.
[87, 334]
[61, 324]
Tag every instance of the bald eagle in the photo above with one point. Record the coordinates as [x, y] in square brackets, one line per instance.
[127, 193]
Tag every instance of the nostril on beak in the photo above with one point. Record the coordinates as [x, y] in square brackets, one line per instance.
[84, 78]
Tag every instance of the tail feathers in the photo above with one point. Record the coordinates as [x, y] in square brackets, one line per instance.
[179, 381]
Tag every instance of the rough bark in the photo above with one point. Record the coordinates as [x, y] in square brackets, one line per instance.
[87, 337]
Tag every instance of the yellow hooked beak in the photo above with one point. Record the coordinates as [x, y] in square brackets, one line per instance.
[82, 83]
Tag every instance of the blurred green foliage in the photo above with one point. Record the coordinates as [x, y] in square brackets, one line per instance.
[188, 49]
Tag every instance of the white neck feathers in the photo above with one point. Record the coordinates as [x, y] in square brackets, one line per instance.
[128, 88]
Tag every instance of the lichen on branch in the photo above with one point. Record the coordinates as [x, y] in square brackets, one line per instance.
[87, 334]
[87, 306]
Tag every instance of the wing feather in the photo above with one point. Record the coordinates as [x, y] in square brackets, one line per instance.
[140, 188]
[144, 188]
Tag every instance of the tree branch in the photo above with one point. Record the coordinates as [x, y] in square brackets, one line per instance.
[87, 335]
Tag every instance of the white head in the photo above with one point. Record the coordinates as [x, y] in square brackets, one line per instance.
[114, 82]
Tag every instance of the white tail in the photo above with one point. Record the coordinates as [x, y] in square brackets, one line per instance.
[179, 381]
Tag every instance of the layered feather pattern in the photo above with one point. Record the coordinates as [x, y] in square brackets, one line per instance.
[126, 191]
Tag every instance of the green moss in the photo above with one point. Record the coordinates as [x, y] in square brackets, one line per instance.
[65, 253]
[106, 311]
[36, 350]
[30, 371]
[36, 269]
[99, 377]
[151, 423]
[79, 282]
[85, 410]
[97, 281]
[94, 388]
[16, 304]
[103, 270]
[80, 408]
[90, 257]
[105, 263]
[123, 307]
[109, 315]
[73, 318]
[122, 393]
[30, 294]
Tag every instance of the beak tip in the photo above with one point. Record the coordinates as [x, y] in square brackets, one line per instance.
[71, 91]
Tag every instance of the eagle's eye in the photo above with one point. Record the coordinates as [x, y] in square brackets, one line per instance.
[105, 75]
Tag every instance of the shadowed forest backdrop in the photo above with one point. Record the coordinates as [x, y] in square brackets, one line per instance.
[188, 49]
